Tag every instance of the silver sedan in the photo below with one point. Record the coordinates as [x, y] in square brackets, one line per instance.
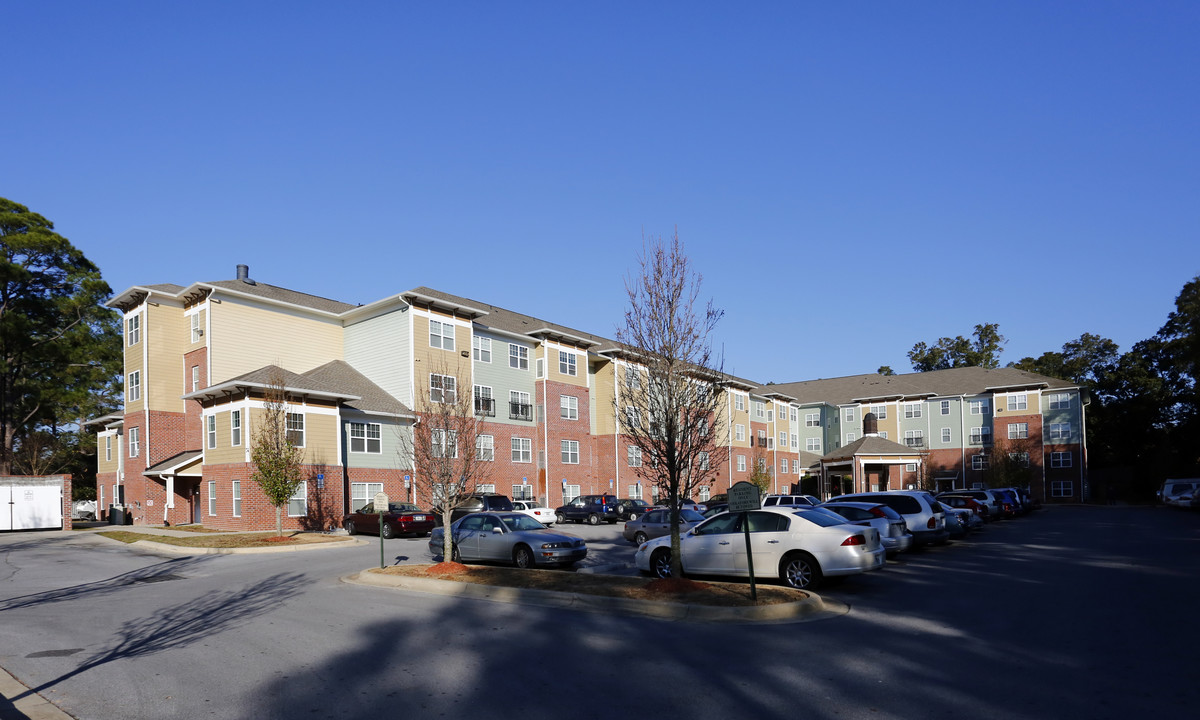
[510, 538]
[657, 523]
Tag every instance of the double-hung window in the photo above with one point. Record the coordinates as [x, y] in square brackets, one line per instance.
[441, 335]
[566, 363]
[295, 429]
[812, 444]
[570, 452]
[812, 420]
[135, 385]
[981, 435]
[196, 332]
[518, 357]
[981, 407]
[739, 432]
[519, 405]
[443, 388]
[133, 329]
[914, 438]
[945, 407]
[1060, 401]
[1019, 401]
[298, 503]
[848, 415]
[633, 456]
[482, 347]
[108, 449]
[880, 411]
[210, 424]
[485, 404]
[134, 441]
[979, 461]
[1062, 488]
[444, 443]
[366, 438]
[1060, 431]
[212, 497]
[235, 496]
[946, 435]
[741, 463]
[1018, 431]
[485, 448]
[739, 402]
[235, 428]
[362, 493]
[568, 407]
[1060, 459]
[912, 410]
[633, 377]
[522, 450]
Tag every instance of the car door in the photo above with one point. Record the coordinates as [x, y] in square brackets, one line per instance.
[709, 548]
[769, 540]
[657, 523]
[493, 540]
[467, 537]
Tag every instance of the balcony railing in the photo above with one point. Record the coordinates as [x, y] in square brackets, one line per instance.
[485, 406]
[520, 411]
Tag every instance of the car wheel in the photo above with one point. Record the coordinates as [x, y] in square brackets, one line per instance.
[523, 557]
[560, 517]
[801, 571]
[349, 527]
[593, 519]
[387, 532]
[632, 516]
[454, 556]
[660, 563]
[640, 537]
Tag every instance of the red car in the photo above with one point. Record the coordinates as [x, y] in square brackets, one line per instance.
[400, 519]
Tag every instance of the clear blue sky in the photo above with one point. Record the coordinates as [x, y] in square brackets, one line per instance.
[849, 178]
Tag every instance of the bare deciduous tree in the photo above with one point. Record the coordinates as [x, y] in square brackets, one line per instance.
[670, 416]
[444, 448]
[277, 459]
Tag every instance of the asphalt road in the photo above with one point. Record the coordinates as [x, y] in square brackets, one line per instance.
[1074, 612]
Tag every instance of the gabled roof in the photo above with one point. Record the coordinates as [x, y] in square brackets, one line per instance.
[869, 445]
[516, 323]
[282, 295]
[174, 464]
[935, 383]
[336, 380]
[372, 398]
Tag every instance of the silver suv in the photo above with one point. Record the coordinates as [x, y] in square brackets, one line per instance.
[920, 510]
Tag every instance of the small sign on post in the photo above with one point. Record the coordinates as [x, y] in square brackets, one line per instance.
[743, 497]
[381, 507]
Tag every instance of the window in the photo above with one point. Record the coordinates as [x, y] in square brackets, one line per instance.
[236, 497]
[945, 407]
[107, 450]
[850, 438]
[569, 407]
[485, 488]
[635, 491]
[981, 407]
[812, 444]
[759, 409]
[570, 452]
[365, 438]
[912, 410]
[363, 493]
[485, 448]
[702, 460]
[1020, 459]
[762, 463]
[794, 414]
[848, 415]
[444, 443]
[633, 456]
[566, 363]
[523, 491]
[704, 493]
[441, 335]
[633, 378]
[133, 330]
[979, 461]
[880, 411]
[485, 404]
[783, 466]
[914, 438]
[295, 429]
[196, 331]
[540, 371]
[195, 378]
[762, 438]
[1060, 431]
[946, 435]
[522, 450]
[739, 402]
[482, 348]
[739, 432]
[135, 386]
[741, 463]
[1062, 488]
[883, 434]
[298, 503]
[981, 435]
[812, 420]
[795, 441]
[210, 424]
[570, 492]
[1060, 401]
[633, 418]
[1018, 431]
[519, 407]
[134, 444]
[212, 497]
[518, 357]
[443, 388]
[910, 467]
[702, 430]
[1018, 402]
[1060, 459]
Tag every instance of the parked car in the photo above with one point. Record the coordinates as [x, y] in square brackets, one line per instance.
[991, 501]
[966, 501]
[920, 510]
[592, 508]
[1009, 507]
[800, 547]
[481, 502]
[967, 516]
[508, 537]
[1173, 491]
[83, 510]
[791, 500]
[657, 523]
[715, 509]
[956, 525]
[400, 519]
[893, 531]
[632, 509]
[544, 515]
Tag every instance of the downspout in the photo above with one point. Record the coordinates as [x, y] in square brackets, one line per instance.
[962, 439]
[616, 404]
[1083, 478]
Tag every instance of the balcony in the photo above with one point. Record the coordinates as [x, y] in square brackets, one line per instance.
[762, 442]
[520, 411]
[485, 407]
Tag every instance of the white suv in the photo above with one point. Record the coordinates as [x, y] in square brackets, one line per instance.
[791, 501]
[920, 510]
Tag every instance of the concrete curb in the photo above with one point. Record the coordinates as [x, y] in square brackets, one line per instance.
[32, 706]
[182, 550]
[810, 608]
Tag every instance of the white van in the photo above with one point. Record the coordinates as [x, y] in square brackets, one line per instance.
[1178, 492]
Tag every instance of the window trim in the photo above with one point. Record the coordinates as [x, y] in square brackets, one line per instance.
[291, 428]
[478, 351]
[518, 357]
[569, 450]
[522, 450]
[568, 407]
[235, 428]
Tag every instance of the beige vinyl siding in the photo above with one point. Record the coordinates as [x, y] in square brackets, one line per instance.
[134, 363]
[113, 465]
[740, 417]
[223, 453]
[246, 337]
[163, 384]
[427, 360]
[320, 434]
[603, 421]
[581, 360]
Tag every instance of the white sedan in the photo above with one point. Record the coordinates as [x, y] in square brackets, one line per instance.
[544, 515]
[799, 547]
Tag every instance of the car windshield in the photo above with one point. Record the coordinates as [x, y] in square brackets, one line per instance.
[690, 516]
[829, 513]
[403, 507]
[514, 523]
[824, 518]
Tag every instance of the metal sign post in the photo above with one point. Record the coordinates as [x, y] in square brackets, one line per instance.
[743, 497]
[381, 507]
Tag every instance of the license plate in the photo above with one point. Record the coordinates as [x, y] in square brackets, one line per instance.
[419, 518]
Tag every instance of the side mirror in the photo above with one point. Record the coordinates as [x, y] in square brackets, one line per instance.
[497, 530]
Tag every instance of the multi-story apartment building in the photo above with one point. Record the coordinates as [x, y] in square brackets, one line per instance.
[198, 360]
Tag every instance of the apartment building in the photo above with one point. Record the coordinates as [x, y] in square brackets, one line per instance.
[199, 359]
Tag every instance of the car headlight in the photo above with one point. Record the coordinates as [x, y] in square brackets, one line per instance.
[552, 545]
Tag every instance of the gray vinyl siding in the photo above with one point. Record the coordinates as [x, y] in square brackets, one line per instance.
[393, 447]
[502, 378]
[938, 421]
[1071, 415]
[380, 348]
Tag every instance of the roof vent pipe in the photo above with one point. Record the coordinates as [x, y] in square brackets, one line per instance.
[243, 274]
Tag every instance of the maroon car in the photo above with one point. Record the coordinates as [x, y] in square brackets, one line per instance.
[400, 519]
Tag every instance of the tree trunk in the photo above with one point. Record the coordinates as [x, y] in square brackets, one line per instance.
[278, 521]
